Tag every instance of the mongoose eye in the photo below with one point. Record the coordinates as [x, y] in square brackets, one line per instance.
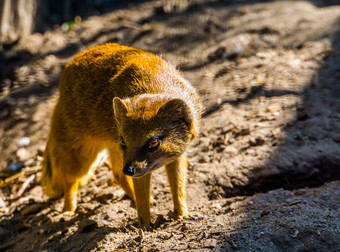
[122, 142]
[154, 143]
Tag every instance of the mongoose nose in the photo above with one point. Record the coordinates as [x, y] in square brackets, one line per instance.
[129, 170]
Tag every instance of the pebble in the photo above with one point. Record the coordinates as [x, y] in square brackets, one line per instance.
[86, 225]
[15, 166]
[2, 203]
[205, 148]
[104, 198]
[210, 243]
[184, 228]
[22, 154]
[40, 151]
[204, 159]
[204, 141]
[34, 208]
[295, 234]
[24, 141]
[274, 107]
[258, 141]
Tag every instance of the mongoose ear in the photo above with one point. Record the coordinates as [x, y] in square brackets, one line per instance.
[119, 107]
[176, 110]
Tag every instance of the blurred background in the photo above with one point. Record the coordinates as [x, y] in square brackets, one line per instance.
[22, 17]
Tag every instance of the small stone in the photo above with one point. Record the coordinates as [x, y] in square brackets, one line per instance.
[14, 167]
[204, 141]
[256, 142]
[205, 148]
[40, 150]
[34, 208]
[217, 54]
[301, 114]
[110, 182]
[295, 234]
[204, 159]
[2, 203]
[159, 221]
[22, 154]
[82, 210]
[119, 193]
[210, 243]
[24, 141]
[184, 228]
[274, 107]
[104, 198]
[242, 132]
[86, 225]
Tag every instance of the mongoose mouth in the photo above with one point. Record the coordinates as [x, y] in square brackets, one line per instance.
[137, 172]
[139, 169]
[139, 175]
[134, 170]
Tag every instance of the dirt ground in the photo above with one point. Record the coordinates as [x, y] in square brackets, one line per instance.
[265, 172]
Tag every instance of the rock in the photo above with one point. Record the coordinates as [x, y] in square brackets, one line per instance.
[301, 114]
[242, 132]
[205, 148]
[204, 159]
[22, 154]
[34, 208]
[184, 228]
[210, 243]
[104, 198]
[2, 203]
[159, 221]
[13, 168]
[257, 141]
[274, 107]
[40, 150]
[217, 54]
[24, 141]
[86, 225]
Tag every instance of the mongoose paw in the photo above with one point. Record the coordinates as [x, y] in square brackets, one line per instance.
[176, 216]
[68, 213]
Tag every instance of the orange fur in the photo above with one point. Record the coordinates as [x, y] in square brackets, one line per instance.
[118, 98]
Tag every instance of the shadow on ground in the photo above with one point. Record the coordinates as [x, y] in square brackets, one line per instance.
[268, 220]
[314, 165]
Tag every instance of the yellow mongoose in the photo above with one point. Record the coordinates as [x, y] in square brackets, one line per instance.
[132, 103]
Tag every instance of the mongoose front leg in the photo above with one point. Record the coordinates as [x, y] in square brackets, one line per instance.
[70, 187]
[177, 176]
[142, 194]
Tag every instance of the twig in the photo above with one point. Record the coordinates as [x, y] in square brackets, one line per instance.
[23, 187]
[132, 26]
[8, 181]
[123, 224]
[32, 168]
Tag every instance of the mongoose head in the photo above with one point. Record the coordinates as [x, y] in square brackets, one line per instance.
[153, 131]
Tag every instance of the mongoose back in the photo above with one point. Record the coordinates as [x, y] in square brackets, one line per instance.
[132, 103]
